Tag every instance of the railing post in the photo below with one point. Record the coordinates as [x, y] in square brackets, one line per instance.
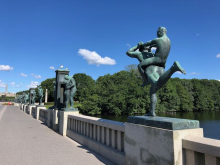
[81, 127]
[113, 139]
[119, 140]
[90, 131]
[103, 135]
[190, 157]
[94, 132]
[84, 128]
[107, 137]
[210, 159]
[98, 133]
[87, 130]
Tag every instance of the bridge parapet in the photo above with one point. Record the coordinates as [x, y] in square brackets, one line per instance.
[105, 137]
[200, 150]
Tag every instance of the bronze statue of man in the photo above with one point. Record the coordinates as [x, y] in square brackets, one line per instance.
[33, 97]
[152, 66]
[70, 90]
[40, 94]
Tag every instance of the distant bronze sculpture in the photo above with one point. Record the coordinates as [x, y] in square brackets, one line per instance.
[70, 90]
[33, 96]
[152, 66]
[26, 98]
[23, 98]
[40, 94]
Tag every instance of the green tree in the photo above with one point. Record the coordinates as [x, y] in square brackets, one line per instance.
[85, 86]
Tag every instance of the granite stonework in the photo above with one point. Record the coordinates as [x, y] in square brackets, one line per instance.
[63, 118]
[54, 124]
[157, 140]
[37, 110]
[164, 122]
[30, 109]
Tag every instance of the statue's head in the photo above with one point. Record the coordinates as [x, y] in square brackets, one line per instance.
[161, 31]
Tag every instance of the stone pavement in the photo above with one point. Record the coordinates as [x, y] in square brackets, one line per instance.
[26, 141]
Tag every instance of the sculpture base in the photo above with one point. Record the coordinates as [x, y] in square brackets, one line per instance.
[69, 109]
[164, 122]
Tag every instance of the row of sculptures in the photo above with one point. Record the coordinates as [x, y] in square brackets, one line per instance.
[151, 68]
[26, 97]
[69, 93]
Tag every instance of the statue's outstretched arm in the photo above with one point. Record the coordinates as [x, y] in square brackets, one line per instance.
[151, 43]
[133, 54]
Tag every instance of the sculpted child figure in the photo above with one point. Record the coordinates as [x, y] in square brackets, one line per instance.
[152, 66]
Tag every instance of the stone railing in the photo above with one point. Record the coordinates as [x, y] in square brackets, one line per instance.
[105, 137]
[33, 111]
[43, 115]
[201, 151]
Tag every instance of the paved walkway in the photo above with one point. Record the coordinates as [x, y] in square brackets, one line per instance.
[26, 141]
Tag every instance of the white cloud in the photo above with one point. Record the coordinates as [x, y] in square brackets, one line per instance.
[12, 83]
[35, 76]
[218, 56]
[95, 58]
[128, 45]
[32, 84]
[2, 84]
[193, 73]
[6, 67]
[52, 67]
[17, 85]
[22, 74]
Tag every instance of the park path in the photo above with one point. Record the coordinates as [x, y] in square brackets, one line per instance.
[26, 141]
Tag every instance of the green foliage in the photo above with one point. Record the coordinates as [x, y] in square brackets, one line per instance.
[85, 86]
[121, 93]
[47, 84]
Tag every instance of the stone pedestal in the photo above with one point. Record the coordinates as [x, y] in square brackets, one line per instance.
[63, 118]
[158, 140]
[37, 110]
[30, 108]
[55, 120]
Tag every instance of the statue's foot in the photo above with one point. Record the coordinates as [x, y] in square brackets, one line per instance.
[150, 114]
[178, 67]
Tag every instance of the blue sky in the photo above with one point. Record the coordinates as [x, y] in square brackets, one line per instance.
[37, 36]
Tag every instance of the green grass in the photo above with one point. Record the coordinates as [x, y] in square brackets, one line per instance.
[76, 104]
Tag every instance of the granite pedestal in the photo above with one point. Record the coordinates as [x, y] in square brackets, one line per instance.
[63, 118]
[37, 110]
[157, 140]
[30, 108]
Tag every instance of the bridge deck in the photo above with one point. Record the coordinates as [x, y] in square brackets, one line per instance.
[24, 140]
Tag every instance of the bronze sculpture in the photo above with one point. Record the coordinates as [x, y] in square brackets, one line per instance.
[152, 66]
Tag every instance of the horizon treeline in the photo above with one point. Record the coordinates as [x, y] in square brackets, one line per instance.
[121, 93]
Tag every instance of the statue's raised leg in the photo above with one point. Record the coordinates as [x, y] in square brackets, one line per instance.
[166, 76]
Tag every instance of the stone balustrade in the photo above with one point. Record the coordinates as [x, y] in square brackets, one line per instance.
[201, 151]
[43, 115]
[33, 111]
[105, 137]
[133, 143]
